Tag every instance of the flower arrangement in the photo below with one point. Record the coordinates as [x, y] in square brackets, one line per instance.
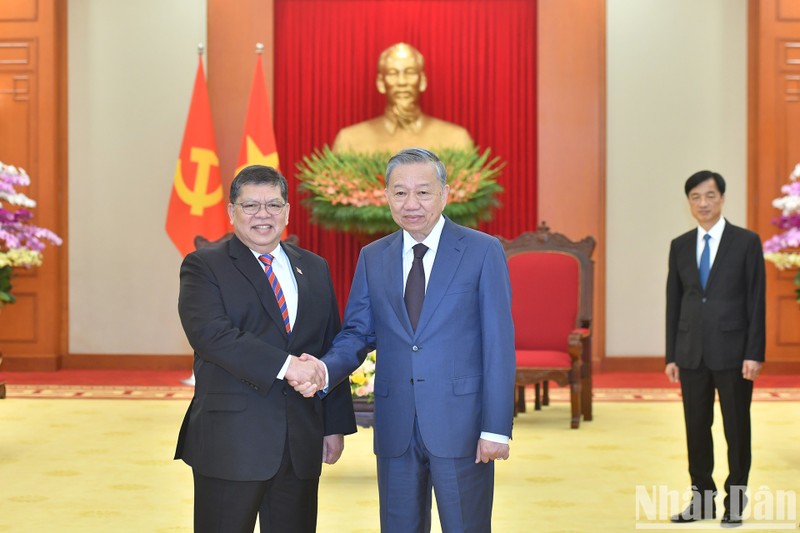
[347, 189]
[784, 249]
[21, 243]
[362, 381]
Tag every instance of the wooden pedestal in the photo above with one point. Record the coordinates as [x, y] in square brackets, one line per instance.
[365, 412]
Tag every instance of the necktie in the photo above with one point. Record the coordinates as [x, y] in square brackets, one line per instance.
[705, 262]
[276, 288]
[415, 285]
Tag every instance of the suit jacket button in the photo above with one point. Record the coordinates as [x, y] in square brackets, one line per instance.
[415, 348]
[704, 299]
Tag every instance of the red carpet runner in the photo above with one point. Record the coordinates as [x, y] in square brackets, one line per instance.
[166, 384]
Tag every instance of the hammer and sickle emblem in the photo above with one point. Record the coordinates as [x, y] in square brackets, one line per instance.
[199, 198]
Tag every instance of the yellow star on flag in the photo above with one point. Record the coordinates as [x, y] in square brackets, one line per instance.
[256, 157]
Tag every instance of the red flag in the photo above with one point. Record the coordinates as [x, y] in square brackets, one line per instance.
[196, 205]
[258, 142]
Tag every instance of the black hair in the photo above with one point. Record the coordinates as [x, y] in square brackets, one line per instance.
[704, 175]
[258, 175]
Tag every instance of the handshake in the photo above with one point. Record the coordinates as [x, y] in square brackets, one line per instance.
[306, 374]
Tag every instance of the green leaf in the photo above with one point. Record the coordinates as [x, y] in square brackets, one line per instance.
[345, 191]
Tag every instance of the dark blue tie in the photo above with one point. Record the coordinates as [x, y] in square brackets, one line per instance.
[415, 285]
[705, 262]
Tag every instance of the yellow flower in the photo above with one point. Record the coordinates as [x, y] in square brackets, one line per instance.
[362, 381]
[20, 257]
[783, 260]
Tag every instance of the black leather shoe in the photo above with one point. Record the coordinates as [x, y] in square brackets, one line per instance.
[693, 513]
[730, 520]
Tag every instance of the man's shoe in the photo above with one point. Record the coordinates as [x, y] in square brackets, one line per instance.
[693, 513]
[730, 520]
[735, 502]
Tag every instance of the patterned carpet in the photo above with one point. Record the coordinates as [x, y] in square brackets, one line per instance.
[100, 392]
[100, 466]
[161, 392]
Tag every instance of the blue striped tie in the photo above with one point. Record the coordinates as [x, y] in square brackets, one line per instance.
[276, 288]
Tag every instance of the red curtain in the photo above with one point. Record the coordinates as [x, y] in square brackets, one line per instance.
[480, 60]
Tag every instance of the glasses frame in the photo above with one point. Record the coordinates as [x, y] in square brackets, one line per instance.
[265, 205]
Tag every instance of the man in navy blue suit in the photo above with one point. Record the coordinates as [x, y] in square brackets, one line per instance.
[715, 341]
[435, 300]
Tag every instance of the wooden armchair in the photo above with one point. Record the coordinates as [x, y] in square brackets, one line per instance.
[551, 285]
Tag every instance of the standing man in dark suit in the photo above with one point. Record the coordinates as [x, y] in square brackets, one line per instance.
[715, 340]
[435, 298]
[248, 306]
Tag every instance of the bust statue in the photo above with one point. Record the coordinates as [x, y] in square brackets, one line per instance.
[401, 77]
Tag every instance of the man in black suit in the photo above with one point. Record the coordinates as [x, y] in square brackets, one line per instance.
[248, 306]
[715, 340]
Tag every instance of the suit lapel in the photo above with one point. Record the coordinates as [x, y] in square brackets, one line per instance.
[304, 296]
[393, 267]
[448, 256]
[725, 243]
[690, 256]
[251, 269]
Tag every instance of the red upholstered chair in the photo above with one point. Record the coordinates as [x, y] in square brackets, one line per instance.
[551, 285]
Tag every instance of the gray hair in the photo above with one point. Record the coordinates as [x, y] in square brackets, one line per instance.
[414, 156]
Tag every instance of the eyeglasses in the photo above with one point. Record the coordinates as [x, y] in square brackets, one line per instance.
[252, 208]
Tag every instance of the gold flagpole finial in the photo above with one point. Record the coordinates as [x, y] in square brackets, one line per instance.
[200, 48]
[259, 48]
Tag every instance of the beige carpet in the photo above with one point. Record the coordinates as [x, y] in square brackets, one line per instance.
[97, 465]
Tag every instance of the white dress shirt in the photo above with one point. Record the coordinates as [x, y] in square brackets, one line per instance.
[283, 271]
[431, 241]
[713, 242]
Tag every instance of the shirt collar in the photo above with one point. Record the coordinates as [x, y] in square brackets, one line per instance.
[715, 231]
[277, 253]
[431, 241]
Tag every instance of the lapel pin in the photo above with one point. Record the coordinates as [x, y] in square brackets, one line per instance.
[298, 270]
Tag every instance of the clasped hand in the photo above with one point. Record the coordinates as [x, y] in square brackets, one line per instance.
[491, 451]
[306, 374]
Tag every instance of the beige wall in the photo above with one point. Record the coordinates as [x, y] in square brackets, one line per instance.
[676, 91]
[131, 70]
[677, 103]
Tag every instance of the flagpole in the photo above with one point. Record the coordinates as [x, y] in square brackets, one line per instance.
[259, 48]
[191, 380]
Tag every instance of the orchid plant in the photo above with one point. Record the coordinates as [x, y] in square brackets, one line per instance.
[783, 250]
[21, 243]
